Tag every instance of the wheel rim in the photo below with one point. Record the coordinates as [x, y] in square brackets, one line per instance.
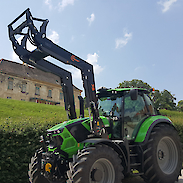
[167, 155]
[102, 171]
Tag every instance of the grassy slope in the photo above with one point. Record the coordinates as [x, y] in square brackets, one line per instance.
[17, 115]
[175, 116]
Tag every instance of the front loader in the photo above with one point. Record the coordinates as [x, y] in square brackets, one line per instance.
[124, 135]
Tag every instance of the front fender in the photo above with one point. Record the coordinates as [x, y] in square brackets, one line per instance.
[146, 127]
[111, 144]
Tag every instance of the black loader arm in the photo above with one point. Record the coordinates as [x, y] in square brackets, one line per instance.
[65, 76]
[44, 48]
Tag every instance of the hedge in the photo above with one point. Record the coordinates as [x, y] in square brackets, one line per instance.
[16, 151]
[19, 145]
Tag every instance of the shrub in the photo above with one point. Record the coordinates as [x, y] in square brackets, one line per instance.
[21, 124]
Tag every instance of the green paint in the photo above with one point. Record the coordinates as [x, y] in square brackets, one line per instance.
[69, 144]
[65, 123]
[145, 127]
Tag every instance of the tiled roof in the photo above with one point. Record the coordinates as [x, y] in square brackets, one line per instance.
[27, 72]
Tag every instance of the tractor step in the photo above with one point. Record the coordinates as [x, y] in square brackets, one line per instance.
[136, 159]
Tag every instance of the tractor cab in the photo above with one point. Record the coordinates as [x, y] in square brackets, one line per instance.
[126, 109]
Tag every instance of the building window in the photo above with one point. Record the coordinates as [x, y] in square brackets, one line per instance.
[37, 92]
[50, 93]
[23, 87]
[10, 85]
[61, 96]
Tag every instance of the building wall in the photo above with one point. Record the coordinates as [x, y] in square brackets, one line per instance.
[16, 91]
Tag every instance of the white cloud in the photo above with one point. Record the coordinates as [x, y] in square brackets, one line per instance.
[72, 38]
[54, 37]
[48, 3]
[138, 68]
[65, 3]
[76, 73]
[15, 58]
[59, 5]
[166, 4]
[91, 18]
[93, 59]
[120, 42]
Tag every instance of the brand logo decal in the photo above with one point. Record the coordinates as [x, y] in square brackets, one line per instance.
[73, 58]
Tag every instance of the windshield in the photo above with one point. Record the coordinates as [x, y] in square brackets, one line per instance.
[110, 106]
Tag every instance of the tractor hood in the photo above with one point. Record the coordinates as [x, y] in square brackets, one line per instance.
[71, 133]
[81, 124]
[68, 124]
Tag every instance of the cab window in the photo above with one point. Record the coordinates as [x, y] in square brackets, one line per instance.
[134, 112]
[150, 104]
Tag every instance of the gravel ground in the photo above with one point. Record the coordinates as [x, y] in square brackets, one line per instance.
[140, 180]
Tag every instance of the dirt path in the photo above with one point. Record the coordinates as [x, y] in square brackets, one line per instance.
[140, 180]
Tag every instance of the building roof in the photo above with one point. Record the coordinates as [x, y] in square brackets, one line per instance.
[27, 72]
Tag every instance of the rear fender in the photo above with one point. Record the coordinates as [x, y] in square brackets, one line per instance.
[144, 130]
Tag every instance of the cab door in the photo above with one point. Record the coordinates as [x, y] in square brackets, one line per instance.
[134, 112]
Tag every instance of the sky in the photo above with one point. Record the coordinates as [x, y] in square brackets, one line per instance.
[122, 39]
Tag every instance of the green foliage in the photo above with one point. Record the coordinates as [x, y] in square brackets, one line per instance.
[180, 105]
[162, 100]
[21, 124]
[135, 83]
[16, 151]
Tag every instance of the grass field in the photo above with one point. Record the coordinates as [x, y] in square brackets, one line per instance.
[175, 116]
[16, 115]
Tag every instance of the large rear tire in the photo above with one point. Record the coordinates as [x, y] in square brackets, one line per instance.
[162, 155]
[96, 164]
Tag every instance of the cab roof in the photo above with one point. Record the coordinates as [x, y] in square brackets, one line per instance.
[102, 89]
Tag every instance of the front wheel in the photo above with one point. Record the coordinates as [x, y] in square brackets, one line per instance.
[162, 155]
[34, 172]
[97, 164]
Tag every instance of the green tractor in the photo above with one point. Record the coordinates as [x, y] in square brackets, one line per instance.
[124, 135]
[139, 142]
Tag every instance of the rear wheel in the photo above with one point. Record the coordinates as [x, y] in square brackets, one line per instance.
[97, 164]
[162, 155]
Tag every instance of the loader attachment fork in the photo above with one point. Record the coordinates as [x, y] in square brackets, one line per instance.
[44, 48]
[36, 60]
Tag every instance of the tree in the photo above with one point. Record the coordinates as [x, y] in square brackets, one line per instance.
[180, 105]
[161, 100]
[156, 98]
[167, 100]
[135, 83]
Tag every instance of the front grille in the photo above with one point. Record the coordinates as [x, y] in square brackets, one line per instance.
[55, 141]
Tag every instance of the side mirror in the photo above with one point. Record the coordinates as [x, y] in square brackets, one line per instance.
[134, 94]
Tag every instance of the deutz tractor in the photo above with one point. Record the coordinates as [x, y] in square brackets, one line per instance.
[123, 133]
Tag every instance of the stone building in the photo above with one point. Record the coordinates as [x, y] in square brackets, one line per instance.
[22, 82]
